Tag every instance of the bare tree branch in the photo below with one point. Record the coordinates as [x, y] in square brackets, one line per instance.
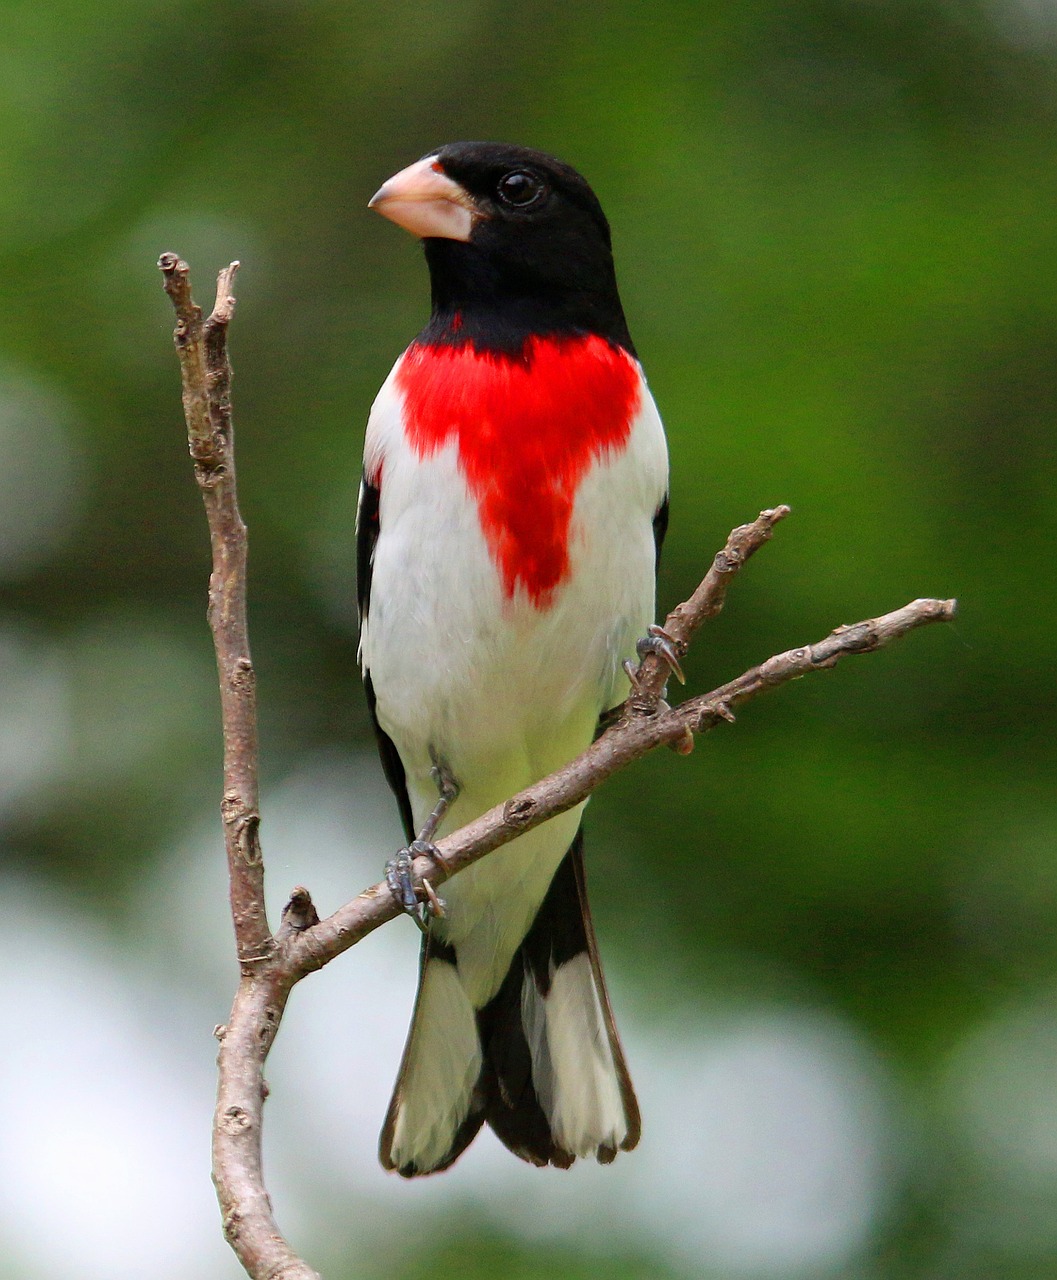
[237, 1171]
[632, 737]
[705, 603]
[271, 965]
[206, 375]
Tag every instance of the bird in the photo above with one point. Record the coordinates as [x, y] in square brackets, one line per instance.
[511, 513]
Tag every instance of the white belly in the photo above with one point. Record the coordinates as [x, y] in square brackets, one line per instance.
[502, 690]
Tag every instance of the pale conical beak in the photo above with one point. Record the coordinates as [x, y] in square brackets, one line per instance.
[425, 201]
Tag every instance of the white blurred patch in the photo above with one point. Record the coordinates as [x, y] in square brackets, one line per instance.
[35, 715]
[1004, 1078]
[1001, 1086]
[330, 825]
[112, 701]
[40, 480]
[771, 1149]
[103, 1109]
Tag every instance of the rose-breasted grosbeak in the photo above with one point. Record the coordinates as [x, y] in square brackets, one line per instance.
[513, 504]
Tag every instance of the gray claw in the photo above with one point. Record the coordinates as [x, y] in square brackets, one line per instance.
[658, 641]
[398, 878]
[632, 673]
[427, 849]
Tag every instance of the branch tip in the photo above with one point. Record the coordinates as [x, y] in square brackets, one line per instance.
[224, 307]
[299, 914]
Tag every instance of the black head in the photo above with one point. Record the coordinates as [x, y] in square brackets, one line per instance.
[516, 242]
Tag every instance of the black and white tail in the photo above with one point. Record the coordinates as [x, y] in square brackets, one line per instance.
[540, 1062]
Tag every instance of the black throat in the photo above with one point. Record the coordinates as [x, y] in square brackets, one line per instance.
[496, 296]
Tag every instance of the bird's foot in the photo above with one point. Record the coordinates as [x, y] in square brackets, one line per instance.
[657, 641]
[398, 869]
[401, 885]
[660, 642]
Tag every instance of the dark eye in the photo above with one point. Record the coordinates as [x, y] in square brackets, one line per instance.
[519, 189]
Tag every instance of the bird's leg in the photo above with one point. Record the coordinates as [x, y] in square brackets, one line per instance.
[398, 869]
[657, 641]
[447, 793]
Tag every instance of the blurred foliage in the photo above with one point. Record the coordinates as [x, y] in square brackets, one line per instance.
[835, 235]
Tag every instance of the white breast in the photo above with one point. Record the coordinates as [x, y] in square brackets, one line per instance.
[504, 691]
[492, 681]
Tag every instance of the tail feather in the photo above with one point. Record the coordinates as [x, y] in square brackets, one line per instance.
[436, 1108]
[541, 1061]
[512, 1106]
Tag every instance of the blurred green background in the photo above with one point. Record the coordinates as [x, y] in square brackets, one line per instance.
[832, 931]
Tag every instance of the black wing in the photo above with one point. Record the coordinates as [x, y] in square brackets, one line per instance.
[660, 528]
[366, 537]
[367, 526]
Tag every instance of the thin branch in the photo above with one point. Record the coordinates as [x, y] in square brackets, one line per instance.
[272, 965]
[206, 374]
[631, 738]
[705, 603]
[237, 1170]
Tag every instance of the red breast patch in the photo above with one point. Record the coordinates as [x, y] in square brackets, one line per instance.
[527, 428]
